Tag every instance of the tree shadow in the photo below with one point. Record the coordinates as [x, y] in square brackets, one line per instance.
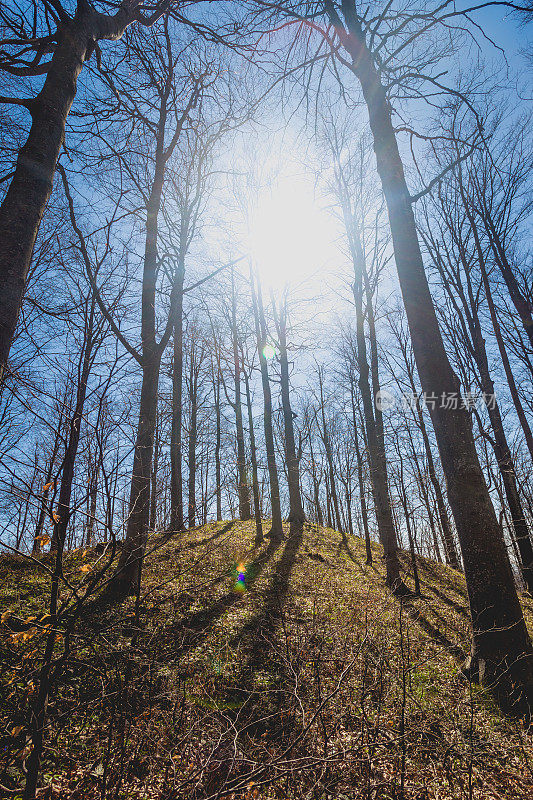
[264, 622]
[459, 608]
[440, 577]
[217, 534]
[419, 618]
[194, 626]
[255, 698]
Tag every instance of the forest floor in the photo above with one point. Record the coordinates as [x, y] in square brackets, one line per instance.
[310, 682]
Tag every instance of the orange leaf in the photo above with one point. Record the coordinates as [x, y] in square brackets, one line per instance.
[47, 486]
[16, 730]
[86, 568]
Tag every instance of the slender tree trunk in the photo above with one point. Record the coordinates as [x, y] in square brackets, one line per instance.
[407, 515]
[131, 558]
[296, 512]
[450, 551]
[253, 456]
[360, 480]
[329, 459]
[452, 557]
[176, 459]
[376, 453]
[316, 487]
[193, 436]
[505, 361]
[425, 495]
[93, 497]
[276, 531]
[502, 652]
[523, 306]
[129, 568]
[153, 478]
[218, 479]
[243, 489]
[63, 512]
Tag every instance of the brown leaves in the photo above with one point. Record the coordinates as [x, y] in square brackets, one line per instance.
[42, 540]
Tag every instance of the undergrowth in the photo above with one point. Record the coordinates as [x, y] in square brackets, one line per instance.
[307, 679]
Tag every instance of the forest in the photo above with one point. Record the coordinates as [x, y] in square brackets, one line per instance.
[266, 400]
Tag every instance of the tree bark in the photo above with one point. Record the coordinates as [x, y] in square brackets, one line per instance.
[276, 531]
[329, 459]
[218, 479]
[193, 436]
[362, 497]
[176, 459]
[296, 512]
[376, 453]
[505, 361]
[253, 456]
[63, 512]
[243, 489]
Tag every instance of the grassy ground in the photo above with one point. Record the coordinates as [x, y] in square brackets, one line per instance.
[311, 682]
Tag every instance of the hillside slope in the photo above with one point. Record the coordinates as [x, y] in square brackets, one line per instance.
[272, 672]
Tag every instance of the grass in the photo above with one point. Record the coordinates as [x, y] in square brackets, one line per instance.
[313, 682]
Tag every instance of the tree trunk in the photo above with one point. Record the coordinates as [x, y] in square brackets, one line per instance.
[130, 562]
[193, 436]
[376, 453]
[153, 478]
[296, 512]
[253, 456]
[505, 361]
[276, 531]
[243, 489]
[425, 495]
[329, 459]
[407, 515]
[218, 479]
[63, 512]
[129, 568]
[176, 477]
[362, 496]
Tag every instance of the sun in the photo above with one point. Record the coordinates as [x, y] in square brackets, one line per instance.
[290, 236]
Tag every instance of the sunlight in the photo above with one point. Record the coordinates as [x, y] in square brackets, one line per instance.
[290, 237]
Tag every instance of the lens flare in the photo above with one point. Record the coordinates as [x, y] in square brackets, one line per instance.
[240, 583]
[269, 352]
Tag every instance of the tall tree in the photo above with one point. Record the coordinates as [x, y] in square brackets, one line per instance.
[296, 512]
[276, 531]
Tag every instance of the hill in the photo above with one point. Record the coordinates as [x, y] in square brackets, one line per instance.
[281, 671]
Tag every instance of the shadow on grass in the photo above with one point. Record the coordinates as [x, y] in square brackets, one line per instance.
[192, 545]
[193, 626]
[262, 625]
[420, 619]
[95, 610]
